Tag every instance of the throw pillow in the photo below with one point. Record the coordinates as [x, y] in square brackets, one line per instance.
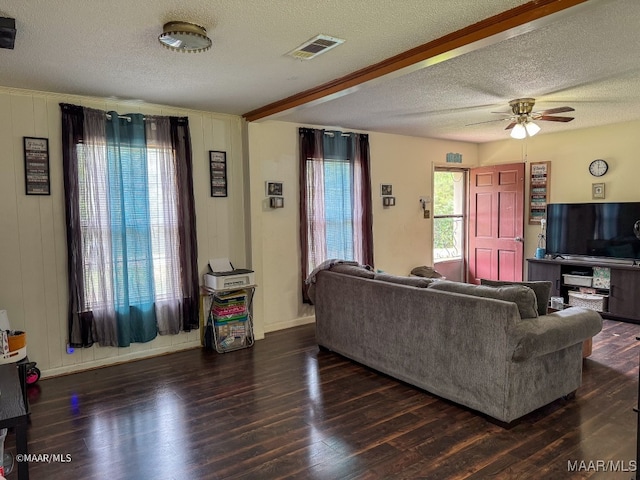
[542, 289]
[522, 296]
[426, 272]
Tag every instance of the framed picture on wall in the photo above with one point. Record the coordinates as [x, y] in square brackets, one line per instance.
[36, 166]
[386, 190]
[597, 191]
[540, 178]
[274, 188]
[218, 173]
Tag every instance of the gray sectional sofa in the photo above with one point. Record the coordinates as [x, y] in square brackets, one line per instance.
[466, 343]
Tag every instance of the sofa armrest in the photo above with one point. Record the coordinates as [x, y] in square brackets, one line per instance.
[535, 337]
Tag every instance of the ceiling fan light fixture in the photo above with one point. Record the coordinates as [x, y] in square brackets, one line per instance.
[531, 128]
[518, 131]
[184, 37]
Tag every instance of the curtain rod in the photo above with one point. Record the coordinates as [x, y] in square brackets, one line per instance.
[331, 134]
[108, 115]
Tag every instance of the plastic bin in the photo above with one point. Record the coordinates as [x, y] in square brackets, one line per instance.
[577, 280]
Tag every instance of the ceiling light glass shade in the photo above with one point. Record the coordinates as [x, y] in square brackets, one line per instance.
[185, 37]
[531, 128]
[518, 131]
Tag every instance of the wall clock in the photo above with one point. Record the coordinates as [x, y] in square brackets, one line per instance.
[598, 168]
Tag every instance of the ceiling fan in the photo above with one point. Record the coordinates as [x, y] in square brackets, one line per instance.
[522, 117]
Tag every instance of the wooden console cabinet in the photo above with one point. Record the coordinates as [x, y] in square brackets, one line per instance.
[623, 291]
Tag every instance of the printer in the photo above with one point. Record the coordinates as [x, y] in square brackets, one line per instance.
[222, 276]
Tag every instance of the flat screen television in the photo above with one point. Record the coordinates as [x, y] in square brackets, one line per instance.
[593, 229]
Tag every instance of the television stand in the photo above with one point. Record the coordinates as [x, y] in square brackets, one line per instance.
[624, 285]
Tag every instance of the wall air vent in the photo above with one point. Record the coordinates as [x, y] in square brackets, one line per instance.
[314, 47]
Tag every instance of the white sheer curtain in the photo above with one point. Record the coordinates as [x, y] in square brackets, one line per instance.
[164, 224]
[316, 227]
[96, 246]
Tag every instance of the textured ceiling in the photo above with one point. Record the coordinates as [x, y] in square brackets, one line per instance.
[585, 57]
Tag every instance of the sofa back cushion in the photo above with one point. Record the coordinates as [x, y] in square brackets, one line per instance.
[522, 296]
[354, 270]
[542, 289]
[411, 281]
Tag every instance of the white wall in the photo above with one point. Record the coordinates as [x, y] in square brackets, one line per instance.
[570, 154]
[33, 261]
[402, 237]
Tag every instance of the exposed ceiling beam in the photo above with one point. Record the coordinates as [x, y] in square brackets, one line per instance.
[507, 24]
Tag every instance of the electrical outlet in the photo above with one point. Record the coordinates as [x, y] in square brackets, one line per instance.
[427, 214]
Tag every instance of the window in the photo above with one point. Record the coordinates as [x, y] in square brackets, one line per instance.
[131, 227]
[157, 216]
[448, 214]
[335, 192]
[338, 215]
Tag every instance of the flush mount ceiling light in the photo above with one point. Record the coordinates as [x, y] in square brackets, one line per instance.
[185, 37]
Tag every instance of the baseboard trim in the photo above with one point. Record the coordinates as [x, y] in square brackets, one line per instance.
[274, 327]
[110, 361]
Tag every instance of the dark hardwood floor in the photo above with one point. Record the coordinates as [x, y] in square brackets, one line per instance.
[283, 409]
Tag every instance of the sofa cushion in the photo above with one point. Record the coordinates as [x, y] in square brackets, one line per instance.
[542, 289]
[411, 281]
[522, 296]
[353, 270]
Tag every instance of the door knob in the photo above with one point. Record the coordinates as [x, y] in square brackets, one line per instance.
[518, 239]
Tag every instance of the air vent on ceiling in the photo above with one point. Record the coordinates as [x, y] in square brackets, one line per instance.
[314, 47]
[7, 32]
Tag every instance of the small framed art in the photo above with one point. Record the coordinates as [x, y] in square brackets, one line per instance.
[597, 191]
[36, 166]
[274, 188]
[386, 190]
[218, 173]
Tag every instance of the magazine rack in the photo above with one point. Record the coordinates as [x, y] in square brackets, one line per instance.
[229, 324]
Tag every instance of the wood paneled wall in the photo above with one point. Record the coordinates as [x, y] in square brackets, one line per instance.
[33, 260]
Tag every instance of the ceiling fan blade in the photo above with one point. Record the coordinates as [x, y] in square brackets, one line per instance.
[557, 110]
[487, 121]
[555, 119]
[511, 125]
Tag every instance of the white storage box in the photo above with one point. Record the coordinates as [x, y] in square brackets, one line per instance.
[588, 300]
[577, 280]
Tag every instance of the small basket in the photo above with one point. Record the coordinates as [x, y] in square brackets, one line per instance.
[587, 300]
[14, 346]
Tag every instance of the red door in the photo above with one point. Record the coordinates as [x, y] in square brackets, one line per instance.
[496, 226]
